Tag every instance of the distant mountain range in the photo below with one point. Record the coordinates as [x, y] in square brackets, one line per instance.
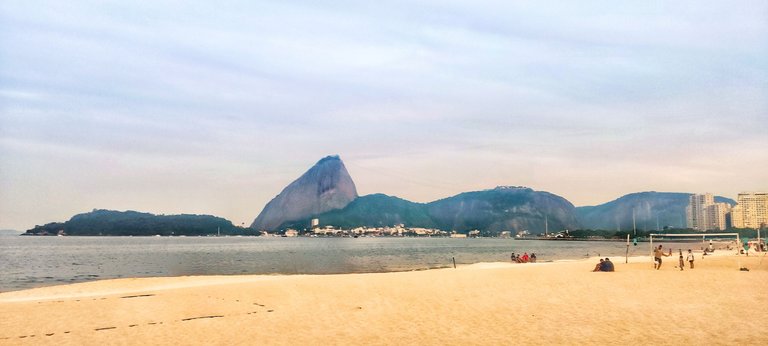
[494, 210]
[499, 209]
[649, 208]
[327, 192]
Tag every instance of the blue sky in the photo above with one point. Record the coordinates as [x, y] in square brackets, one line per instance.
[196, 107]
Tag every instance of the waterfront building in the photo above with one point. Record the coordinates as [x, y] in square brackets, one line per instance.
[751, 210]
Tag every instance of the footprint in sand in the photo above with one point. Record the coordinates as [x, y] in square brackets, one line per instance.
[138, 296]
[201, 317]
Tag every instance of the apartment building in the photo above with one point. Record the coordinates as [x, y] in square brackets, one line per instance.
[751, 210]
[704, 214]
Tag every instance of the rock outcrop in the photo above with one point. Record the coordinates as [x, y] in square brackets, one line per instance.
[324, 187]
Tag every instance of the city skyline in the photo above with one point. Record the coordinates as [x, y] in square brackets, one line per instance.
[214, 109]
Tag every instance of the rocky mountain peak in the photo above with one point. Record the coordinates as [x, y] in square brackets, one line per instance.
[324, 187]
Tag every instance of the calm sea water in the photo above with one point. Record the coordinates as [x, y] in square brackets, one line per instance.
[27, 262]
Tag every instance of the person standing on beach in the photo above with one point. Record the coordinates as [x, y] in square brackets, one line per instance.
[690, 258]
[657, 253]
[681, 263]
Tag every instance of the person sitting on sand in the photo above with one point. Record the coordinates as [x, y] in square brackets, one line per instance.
[599, 266]
[533, 258]
[512, 257]
[525, 257]
[517, 259]
[657, 257]
[607, 265]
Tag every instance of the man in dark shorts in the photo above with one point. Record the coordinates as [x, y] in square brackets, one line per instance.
[657, 253]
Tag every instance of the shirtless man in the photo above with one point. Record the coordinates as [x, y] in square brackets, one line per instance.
[657, 253]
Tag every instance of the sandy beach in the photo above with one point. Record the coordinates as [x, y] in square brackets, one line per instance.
[489, 304]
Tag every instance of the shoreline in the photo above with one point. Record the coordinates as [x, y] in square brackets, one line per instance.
[449, 265]
[234, 278]
[485, 303]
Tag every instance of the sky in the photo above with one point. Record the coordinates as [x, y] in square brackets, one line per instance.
[214, 107]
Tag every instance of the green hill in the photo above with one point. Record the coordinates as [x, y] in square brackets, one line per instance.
[121, 223]
[495, 210]
[668, 207]
[504, 208]
[377, 210]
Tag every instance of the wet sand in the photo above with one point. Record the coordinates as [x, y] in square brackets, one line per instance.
[491, 304]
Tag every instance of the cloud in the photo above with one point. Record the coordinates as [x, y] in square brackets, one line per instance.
[422, 99]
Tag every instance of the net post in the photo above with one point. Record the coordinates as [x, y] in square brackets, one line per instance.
[654, 261]
[626, 255]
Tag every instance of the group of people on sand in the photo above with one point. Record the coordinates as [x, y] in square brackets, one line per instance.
[605, 265]
[659, 252]
[524, 258]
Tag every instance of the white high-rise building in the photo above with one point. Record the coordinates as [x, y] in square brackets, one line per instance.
[696, 213]
[704, 214]
[751, 210]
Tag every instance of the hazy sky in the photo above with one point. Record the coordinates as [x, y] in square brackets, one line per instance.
[213, 107]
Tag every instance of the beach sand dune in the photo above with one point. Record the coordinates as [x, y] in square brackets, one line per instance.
[545, 303]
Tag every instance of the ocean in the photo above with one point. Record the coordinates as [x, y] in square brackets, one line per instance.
[27, 262]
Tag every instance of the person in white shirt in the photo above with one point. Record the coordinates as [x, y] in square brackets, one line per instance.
[690, 258]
